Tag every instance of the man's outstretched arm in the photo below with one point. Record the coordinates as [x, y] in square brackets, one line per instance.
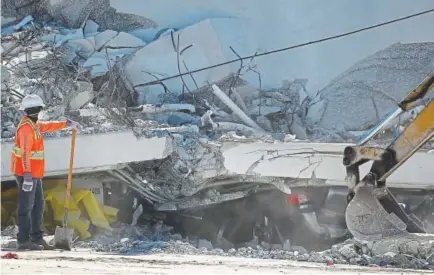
[52, 126]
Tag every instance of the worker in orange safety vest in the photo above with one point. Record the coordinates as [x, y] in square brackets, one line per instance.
[28, 165]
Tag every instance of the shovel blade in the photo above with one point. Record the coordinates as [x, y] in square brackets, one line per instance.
[63, 237]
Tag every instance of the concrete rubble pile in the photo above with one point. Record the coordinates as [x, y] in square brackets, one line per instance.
[94, 69]
[415, 251]
[93, 72]
[95, 75]
[363, 95]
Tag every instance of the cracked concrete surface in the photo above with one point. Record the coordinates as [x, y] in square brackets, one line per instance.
[376, 83]
[74, 14]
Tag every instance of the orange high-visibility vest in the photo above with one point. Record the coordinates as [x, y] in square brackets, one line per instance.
[28, 146]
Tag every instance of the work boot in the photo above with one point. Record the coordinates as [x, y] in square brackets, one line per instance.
[29, 246]
[44, 244]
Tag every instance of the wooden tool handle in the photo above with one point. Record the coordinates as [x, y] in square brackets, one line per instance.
[69, 183]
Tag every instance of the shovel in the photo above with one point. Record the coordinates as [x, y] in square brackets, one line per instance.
[63, 235]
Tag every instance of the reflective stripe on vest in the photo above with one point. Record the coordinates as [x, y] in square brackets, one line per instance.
[36, 155]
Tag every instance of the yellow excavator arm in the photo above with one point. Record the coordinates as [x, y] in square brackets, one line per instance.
[373, 212]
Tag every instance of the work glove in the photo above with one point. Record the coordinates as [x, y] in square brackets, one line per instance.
[28, 182]
[72, 124]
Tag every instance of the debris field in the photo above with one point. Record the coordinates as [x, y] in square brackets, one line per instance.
[103, 70]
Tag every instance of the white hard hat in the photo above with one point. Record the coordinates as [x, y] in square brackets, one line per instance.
[30, 101]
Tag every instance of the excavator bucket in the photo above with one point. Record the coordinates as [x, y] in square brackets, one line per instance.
[373, 214]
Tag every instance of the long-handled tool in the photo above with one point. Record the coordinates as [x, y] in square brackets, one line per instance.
[63, 235]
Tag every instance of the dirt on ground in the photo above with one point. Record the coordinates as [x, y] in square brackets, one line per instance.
[85, 262]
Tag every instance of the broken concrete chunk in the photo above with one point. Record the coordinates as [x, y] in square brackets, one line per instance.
[7, 20]
[5, 75]
[264, 123]
[275, 95]
[408, 244]
[210, 46]
[103, 38]
[407, 261]
[296, 127]
[146, 35]
[348, 251]
[52, 38]
[299, 249]
[164, 33]
[303, 257]
[124, 40]
[363, 95]
[202, 243]
[82, 94]
[300, 86]
[71, 13]
[263, 110]
[98, 62]
[286, 245]
[11, 48]
[411, 248]
[177, 237]
[380, 249]
[83, 47]
[230, 126]
[424, 250]
[224, 244]
[90, 28]
[316, 257]
[77, 34]
[389, 257]
[315, 111]
[69, 53]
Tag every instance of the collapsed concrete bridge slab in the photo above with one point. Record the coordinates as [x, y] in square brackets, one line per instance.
[93, 153]
[311, 163]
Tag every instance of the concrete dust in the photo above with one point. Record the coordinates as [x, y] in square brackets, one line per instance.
[50, 262]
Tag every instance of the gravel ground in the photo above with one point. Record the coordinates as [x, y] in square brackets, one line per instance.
[413, 251]
[83, 262]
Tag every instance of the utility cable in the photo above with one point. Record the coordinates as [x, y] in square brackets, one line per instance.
[287, 48]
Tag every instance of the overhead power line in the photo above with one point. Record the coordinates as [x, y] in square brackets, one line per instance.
[287, 48]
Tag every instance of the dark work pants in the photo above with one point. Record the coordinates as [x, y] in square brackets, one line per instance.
[30, 211]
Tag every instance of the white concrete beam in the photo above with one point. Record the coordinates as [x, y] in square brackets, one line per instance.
[94, 152]
[301, 160]
[321, 160]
